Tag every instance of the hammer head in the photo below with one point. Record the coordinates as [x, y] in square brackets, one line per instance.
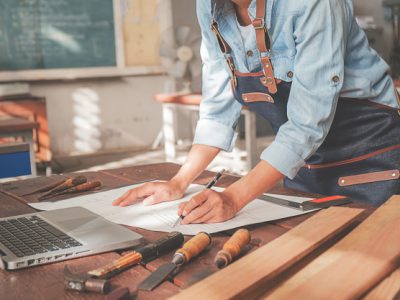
[85, 283]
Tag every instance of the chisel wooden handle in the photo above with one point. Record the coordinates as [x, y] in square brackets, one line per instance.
[83, 187]
[76, 189]
[144, 254]
[65, 185]
[194, 246]
[232, 248]
[69, 183]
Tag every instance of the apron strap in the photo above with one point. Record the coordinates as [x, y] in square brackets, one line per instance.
[398, 99]
[264, 43]
[226, 50]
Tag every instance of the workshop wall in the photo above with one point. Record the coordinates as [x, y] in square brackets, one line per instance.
[87, 116]
[105, 115]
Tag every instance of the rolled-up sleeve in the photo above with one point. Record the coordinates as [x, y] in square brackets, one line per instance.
[320, 36]
[219, 111]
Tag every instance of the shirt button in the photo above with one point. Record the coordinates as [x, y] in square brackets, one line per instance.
[290, 74]
[336, 79]
[249, 53]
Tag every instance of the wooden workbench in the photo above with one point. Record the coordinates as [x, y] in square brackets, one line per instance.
[46, 282]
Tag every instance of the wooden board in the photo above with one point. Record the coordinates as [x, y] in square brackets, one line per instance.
[141, 28]
[389, 288]
[256, 270]
[354, 265]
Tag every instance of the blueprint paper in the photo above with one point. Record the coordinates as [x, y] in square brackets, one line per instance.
[161, 217]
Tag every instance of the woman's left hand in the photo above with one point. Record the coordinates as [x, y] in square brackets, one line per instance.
[208, 207]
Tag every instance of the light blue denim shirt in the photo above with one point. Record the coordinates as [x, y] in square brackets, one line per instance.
[318, 46]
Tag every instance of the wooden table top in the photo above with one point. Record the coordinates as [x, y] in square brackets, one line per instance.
[46, 282]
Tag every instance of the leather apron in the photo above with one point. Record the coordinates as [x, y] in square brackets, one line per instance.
[360, 156]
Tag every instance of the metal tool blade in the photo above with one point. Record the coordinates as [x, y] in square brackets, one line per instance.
[157, 277]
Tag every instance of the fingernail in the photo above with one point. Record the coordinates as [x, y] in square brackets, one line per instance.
[184, 213]
[149, 200]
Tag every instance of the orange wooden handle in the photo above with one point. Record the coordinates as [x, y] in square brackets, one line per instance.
[237, 241]
[195, 246]
[87, 186]
[232, 247]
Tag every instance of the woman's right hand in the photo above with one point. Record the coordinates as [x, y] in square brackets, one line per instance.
[151, 193]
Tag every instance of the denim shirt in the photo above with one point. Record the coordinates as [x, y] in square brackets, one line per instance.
[317, 46]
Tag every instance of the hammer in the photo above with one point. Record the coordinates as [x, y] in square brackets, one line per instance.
[85, 283]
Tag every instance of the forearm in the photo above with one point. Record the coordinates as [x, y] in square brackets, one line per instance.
[259, 180]
[199, 157]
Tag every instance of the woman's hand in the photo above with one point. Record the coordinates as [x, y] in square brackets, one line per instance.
[208, 207]
[151, 193]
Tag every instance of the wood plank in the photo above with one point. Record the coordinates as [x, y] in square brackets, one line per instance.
[389, 288]
[355, 264]
[264, 264]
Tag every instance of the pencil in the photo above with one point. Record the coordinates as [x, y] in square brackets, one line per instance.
[208, 186]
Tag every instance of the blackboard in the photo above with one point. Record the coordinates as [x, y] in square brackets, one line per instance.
[53, 34]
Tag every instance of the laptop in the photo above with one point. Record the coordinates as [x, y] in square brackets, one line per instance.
[52, 236]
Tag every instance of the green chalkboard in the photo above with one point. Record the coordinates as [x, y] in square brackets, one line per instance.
[48, 34]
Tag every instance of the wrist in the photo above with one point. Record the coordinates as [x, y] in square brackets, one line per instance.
[180, 183]
[236, 201]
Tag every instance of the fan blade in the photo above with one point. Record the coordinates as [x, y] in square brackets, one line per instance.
[168, 51]
[182, 34]
[180, 69]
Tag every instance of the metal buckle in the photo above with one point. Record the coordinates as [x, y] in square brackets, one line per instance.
[259, 23]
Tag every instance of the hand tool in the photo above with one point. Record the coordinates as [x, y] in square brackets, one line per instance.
[46, 188]
[144, 254]
[85, 283]
[208, 186]
[318, 203]
[232, 248]
[67, 184]
[84, 187]
[190, 249]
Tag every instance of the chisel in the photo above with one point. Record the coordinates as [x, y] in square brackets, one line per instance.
[190, 249]
[147, 253]
[67, 184]
[232, 248]
[46, 188]
[84, 187]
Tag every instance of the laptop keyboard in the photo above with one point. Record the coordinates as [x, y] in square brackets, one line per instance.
[32, 235]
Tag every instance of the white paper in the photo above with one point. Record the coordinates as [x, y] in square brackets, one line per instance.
[161, 217]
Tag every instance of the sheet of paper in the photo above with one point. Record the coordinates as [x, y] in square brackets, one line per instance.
[161, 217]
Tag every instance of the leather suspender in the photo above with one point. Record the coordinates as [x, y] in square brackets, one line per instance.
[226, 50]
[262, 35]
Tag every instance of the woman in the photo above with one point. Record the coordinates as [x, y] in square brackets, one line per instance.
[306, 67]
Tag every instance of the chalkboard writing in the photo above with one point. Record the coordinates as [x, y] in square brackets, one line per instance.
[48, 34]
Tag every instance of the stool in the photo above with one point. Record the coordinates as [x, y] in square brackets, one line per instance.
[172, 103]
[14, 128]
